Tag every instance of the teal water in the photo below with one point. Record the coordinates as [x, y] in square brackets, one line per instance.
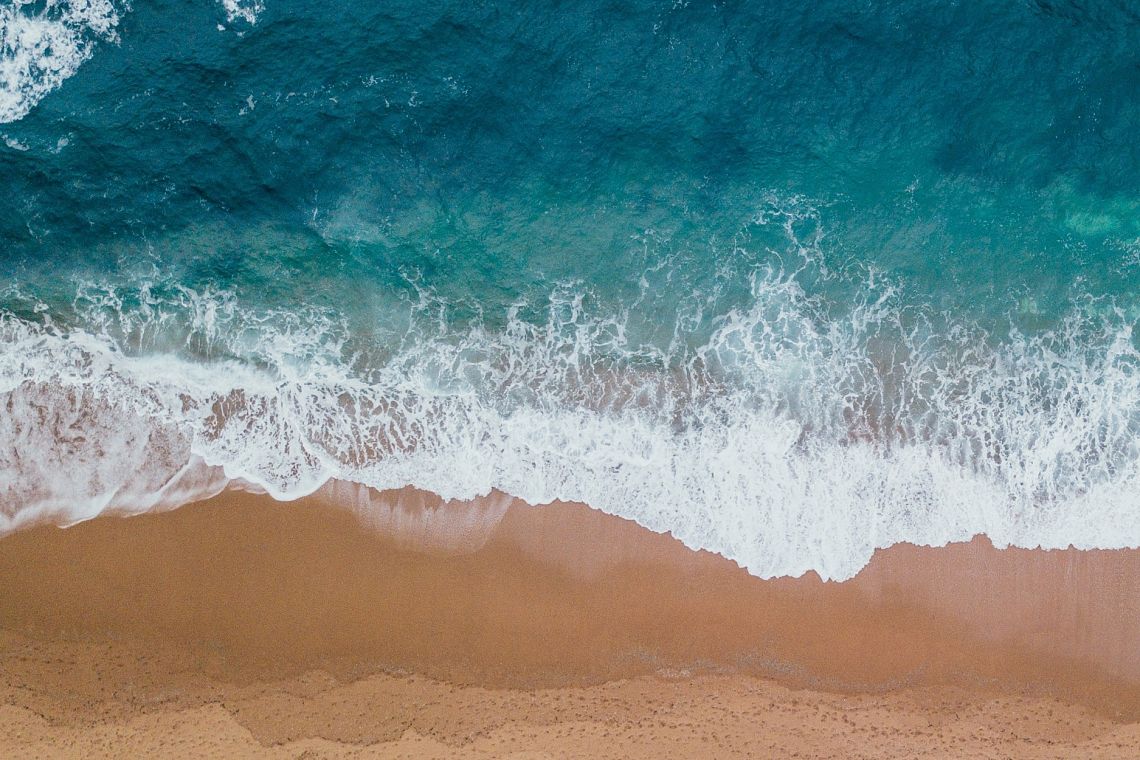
[791, 282]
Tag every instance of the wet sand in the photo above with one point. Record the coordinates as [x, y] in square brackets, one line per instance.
[241, 626]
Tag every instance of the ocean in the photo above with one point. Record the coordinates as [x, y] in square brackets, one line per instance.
[790, 281]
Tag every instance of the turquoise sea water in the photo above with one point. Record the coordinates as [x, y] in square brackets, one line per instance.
[792, 282]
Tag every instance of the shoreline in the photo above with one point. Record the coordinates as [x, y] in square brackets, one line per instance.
[214, 599]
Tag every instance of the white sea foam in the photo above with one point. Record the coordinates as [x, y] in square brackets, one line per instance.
[243, 10]
[791, 440]
[42, 44]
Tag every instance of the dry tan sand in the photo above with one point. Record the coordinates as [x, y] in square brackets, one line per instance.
[242, 627]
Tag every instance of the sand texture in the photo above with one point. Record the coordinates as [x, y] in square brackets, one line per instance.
[241, 627]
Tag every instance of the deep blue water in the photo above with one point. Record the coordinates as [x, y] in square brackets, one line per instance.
[791, 281]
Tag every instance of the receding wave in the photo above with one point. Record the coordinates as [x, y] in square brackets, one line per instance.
[791, 437]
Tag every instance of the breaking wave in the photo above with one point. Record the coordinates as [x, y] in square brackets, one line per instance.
[791, 437]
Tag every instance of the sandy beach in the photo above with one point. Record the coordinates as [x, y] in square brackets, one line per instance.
[245, 627]
[601, 379]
